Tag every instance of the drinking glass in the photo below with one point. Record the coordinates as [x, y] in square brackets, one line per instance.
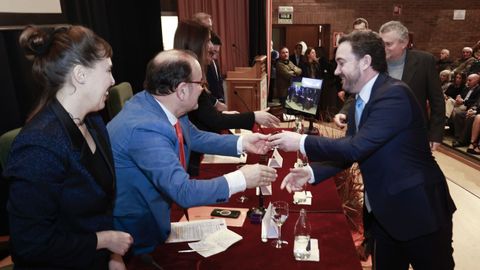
[279, 214]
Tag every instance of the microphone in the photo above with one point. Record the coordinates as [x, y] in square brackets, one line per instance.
[246, 106]
[242, 53]
[147, 259]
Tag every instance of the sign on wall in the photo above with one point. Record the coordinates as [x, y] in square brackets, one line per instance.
[285, 15]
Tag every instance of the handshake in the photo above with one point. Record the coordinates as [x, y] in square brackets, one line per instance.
[262, 143]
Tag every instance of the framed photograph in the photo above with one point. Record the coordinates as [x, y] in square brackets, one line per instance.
[336, 38]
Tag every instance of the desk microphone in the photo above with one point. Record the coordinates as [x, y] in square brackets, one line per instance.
[147, 259]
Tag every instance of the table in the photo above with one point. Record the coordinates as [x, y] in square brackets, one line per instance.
[325, 215]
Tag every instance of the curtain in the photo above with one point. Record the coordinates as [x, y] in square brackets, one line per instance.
[230, 22]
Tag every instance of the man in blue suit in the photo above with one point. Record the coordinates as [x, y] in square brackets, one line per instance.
[406, 194]
[149, 158]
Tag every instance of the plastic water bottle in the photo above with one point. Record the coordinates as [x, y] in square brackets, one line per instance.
[301, 247]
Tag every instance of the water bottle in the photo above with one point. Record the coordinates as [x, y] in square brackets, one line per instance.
[301, 247]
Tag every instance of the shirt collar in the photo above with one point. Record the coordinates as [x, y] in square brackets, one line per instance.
[171, 118]
[367, 90]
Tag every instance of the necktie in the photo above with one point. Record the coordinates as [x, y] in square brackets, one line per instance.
[181, 154]
[181, 149]
[359, 105]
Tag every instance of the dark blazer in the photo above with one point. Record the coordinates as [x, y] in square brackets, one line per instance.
[61, 194]
[420, 75]
[407, 190]
[215, 82]
[208, 118]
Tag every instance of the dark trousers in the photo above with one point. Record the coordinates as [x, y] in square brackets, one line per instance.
[428, 252]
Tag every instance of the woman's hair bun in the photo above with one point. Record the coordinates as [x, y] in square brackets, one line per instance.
[36, 41]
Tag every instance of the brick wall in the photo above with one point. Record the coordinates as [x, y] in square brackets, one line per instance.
[431, 21]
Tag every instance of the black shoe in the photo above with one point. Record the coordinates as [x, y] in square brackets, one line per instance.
[458, 144]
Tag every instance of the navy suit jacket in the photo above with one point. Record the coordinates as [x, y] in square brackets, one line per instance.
[406, 189]
[420, 75]
[59, 198]
[149, 174]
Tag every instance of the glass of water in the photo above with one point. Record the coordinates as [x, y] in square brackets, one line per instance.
[279, 215]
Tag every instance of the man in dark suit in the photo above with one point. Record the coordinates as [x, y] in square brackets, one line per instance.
[417, 70]
[406, 195]
[214, 76]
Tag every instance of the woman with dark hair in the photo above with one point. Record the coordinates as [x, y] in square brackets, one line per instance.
[313, 67]
[60, 165]
[195, 37]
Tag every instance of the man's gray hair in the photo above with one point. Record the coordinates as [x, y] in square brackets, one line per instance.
[396, 26]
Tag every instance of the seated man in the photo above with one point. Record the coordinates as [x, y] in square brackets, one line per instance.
[151, 140]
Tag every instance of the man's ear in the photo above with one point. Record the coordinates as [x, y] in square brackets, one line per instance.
[79, 74]
[181, 90]
[366, 61]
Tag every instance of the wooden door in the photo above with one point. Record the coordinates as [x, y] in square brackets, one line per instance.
[314, 35]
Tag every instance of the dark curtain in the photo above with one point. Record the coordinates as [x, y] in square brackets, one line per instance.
[133, 28]
[257, 32]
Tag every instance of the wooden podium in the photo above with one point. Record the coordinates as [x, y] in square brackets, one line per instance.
[247, 87]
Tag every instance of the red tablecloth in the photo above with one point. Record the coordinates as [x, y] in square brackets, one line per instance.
[329, 225]
[335, 243]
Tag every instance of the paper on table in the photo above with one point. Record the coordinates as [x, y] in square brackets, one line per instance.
[203, 212]
[215, 243]
[302, 198]
[194, 230]
[314, 251]
[269, 230]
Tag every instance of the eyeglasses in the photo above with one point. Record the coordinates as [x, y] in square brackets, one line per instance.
[203, 84]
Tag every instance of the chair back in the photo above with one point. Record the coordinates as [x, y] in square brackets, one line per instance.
[118, 95]
[6, 141]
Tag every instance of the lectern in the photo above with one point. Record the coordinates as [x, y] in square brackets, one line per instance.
[247, 87]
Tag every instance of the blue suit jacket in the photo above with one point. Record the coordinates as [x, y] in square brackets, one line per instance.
[57, 200]
[149, 174]
[406, 189]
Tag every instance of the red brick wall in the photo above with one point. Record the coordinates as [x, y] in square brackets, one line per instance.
[431, 21]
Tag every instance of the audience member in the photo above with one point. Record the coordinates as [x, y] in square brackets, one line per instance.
[417, 70]
[297, 58]
[445, 79]
[151, 141]
[390, 143]
[474, 139]
[274, 55]
[444, 62]
[456, 88]
[314, 67]
[360, 24]
[466, 106]
[196, 38]
[286, 70]
[60, 165]
[465, 62]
